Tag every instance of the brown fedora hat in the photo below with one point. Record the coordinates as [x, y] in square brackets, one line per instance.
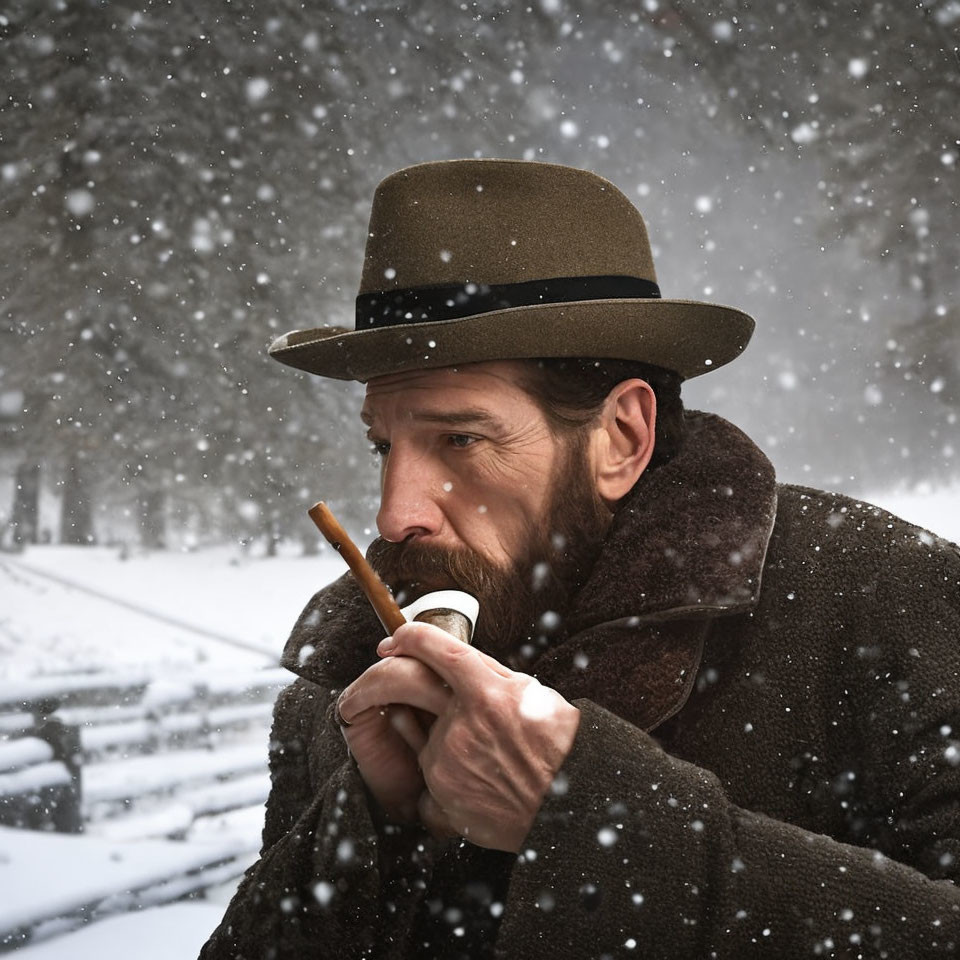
[471, 260]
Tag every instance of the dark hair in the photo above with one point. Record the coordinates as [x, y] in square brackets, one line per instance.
[571, 392]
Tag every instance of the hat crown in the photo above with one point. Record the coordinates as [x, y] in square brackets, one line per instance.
[500, 222]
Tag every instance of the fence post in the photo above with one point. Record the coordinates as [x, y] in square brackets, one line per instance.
[65, 813]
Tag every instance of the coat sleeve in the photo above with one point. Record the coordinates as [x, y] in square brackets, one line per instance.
[647, 856]
[330, 881]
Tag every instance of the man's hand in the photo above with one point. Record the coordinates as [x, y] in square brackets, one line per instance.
[385, 741]
[498, 741]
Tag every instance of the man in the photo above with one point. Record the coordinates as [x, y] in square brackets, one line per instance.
[704, 715]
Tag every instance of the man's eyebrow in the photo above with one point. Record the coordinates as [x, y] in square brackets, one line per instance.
[453, 418]
[456, 418]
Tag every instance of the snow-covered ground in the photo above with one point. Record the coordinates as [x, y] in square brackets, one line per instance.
[173, 609]
[167, 617]
[87, 870]
[173, 932]
[68, 609]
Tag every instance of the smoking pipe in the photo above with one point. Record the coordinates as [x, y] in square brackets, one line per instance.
[451, 610]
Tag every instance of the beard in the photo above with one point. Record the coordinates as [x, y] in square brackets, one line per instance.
[522, 605]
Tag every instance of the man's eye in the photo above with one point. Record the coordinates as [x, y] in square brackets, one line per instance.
[461, 440]
[379, 448]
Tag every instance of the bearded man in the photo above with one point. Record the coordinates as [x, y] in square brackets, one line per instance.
[703, 715]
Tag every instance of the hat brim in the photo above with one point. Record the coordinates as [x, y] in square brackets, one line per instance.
[686, 336]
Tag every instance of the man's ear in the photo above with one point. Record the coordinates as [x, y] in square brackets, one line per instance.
[624, 438]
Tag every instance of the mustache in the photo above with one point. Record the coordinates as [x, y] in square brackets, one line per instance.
[507, 602]
[410, 568]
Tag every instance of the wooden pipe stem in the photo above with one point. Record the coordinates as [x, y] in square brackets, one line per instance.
[378, 595]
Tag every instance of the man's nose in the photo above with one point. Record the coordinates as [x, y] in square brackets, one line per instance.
[408, 504]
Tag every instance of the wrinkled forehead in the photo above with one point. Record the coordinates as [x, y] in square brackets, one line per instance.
[491, 383]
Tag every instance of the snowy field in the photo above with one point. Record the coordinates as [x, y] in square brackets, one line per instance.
[78, 608]
[68, 609]
[163, 616]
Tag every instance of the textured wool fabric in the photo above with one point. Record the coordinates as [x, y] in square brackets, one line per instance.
[767, 763]
[472, 223]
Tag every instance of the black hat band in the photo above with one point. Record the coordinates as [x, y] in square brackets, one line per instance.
[387, 308]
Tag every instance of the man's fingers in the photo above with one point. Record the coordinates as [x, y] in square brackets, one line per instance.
[458, 664]
[400, 680]
[405, 722]
[433, 817]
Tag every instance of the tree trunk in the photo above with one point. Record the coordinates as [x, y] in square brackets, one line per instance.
[273, 533]
[310, 539]
[76, 514]
[153, 521]
[25, 516]
[273, 539]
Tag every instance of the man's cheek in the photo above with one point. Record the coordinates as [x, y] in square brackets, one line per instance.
[513, 482]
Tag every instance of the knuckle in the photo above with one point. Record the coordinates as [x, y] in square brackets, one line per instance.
[440, 780]
[457, 743]
[494, 701]
[453, 659]
[401, 634]
[429, 770]
[456, 651]
[410, 634]
[427, 807]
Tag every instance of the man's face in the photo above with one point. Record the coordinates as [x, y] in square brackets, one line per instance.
[471, 469]
[467, 458]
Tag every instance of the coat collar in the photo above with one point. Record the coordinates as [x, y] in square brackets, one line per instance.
[686, 545]
[690, 538]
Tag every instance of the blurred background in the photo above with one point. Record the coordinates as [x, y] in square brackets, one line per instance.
[179, 183]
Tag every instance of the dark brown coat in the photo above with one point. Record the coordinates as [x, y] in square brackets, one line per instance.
[768, 762]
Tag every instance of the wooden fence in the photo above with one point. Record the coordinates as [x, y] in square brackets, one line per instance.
[122, 758]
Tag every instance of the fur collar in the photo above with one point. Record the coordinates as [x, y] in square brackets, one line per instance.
[686, 545]
[691, 536]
